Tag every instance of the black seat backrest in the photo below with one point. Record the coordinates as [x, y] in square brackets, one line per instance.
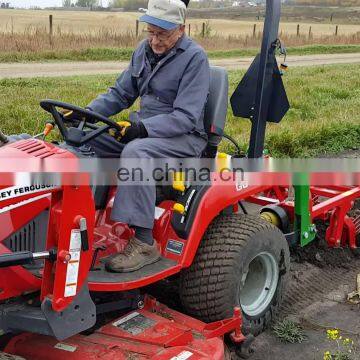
[217, 105]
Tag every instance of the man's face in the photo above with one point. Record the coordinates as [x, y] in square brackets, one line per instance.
[162, 40]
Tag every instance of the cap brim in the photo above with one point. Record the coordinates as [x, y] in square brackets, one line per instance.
[166, 25]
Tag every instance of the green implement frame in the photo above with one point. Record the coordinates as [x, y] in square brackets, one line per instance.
[303, 222]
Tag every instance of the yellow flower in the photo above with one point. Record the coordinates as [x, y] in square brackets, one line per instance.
[333, 334]
[327, 355]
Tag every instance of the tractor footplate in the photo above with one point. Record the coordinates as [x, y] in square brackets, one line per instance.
[99, 276]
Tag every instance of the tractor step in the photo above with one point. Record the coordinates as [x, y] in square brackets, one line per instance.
[144, 276]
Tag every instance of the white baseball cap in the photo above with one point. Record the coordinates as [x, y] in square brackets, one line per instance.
[166, 14]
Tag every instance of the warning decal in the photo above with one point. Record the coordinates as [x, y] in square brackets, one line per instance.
[175, 247]
[72, 271]
[183, 355]
[65, 347]
[134, 323]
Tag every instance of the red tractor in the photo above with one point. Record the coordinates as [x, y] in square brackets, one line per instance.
[231, 267]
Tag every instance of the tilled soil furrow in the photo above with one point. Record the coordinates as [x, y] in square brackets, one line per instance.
[310, 283]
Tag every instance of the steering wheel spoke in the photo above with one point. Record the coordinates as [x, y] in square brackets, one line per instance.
[95, 133]
[81, 125]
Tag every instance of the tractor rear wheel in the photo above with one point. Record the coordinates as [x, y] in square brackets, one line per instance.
[242, 260]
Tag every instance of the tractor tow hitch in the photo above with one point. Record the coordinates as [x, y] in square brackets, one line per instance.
[25, 257]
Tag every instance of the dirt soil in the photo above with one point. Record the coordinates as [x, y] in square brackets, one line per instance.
[330, 310]
[316, 299]
[59, 69]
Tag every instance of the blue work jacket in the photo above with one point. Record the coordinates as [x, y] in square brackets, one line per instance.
[173, 94]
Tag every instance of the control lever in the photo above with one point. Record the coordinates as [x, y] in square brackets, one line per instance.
[3, 138]
[84, 235]
[25, 257]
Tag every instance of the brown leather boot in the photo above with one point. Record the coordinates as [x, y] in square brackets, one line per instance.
[136, 255]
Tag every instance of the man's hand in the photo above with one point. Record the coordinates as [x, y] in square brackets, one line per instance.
[130, 131]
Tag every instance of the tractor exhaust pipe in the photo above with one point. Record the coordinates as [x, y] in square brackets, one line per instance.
[3, 138]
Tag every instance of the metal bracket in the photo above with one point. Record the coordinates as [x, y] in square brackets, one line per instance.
[78, 317]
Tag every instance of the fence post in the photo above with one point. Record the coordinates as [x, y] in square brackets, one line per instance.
[51, 29]
[336, 30]
[331, 17]
[310, 32]
[203, 30]
[189, 30]
[137, 28]
[254, 31]
[298, 30]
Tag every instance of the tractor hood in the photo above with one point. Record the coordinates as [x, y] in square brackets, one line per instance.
[35, 156]
[29, 149]
[28, 168]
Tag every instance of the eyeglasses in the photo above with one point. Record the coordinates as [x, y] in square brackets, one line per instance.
[161, 36]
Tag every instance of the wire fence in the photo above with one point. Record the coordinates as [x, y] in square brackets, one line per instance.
[37, 38]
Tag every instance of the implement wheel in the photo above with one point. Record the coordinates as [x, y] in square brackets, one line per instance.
[242, 260]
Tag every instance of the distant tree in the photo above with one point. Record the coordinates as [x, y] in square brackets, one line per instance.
[130, 4]
[87, 3]
[67, 3]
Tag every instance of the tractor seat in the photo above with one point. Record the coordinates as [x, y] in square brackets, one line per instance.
[216, 109]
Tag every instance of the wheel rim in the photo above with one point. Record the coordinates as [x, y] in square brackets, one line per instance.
[258, 284]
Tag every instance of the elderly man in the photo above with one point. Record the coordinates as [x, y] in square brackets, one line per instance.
[170, 73]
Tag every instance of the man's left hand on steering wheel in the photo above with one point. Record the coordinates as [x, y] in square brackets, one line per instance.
[131, 130]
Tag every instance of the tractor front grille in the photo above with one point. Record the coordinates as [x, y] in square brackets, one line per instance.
[31, 237]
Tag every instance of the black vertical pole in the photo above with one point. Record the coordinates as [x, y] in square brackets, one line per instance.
[137, 28]
[262, 98]
[51, 29]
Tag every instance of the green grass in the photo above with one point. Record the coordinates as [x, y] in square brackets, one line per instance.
[324, 117]
[299, 50]
[124, 54]
[289, 332]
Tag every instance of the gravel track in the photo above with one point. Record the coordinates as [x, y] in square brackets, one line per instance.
[59, 69]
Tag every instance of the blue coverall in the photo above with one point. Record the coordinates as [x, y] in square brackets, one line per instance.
[173, 98]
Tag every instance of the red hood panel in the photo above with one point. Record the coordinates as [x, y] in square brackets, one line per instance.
[34, 156]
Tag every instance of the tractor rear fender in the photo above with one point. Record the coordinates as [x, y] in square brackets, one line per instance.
[217, 198]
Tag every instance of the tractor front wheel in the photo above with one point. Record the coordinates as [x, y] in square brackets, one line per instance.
[242, 260]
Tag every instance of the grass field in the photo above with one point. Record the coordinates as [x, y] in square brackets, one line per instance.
[294, 13]
[324, 117]
[81, 22]
[24, 32]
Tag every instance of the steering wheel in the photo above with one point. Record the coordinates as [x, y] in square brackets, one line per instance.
[76, 136]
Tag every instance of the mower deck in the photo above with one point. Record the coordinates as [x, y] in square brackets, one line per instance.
[155, 332]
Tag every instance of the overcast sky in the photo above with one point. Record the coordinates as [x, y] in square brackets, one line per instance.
[41, 3]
